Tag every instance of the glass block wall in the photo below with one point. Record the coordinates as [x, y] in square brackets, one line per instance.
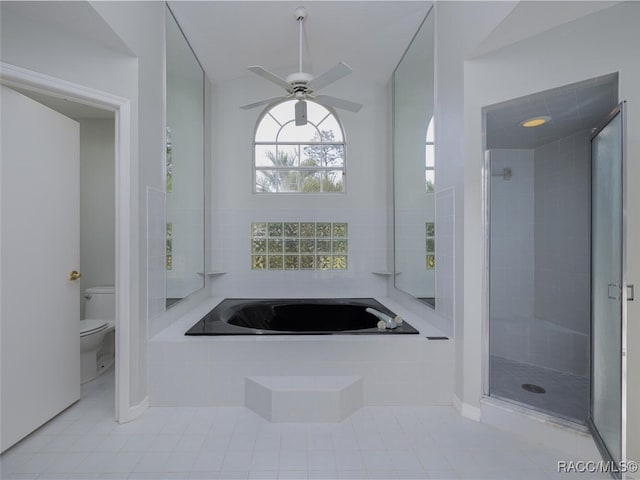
[430, 235]
[299, 245]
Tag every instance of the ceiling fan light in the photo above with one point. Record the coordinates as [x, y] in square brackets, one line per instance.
[301, 113]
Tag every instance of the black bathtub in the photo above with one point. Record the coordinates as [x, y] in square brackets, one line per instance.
[295, 316]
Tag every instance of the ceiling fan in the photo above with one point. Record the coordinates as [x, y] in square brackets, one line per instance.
[302, 86]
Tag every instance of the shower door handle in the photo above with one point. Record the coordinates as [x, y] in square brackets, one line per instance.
[613, 291]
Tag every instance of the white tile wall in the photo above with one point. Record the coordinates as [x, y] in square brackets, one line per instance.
[512, 234]
[540, 342]
[563, 231]
[156, 244]
[445, 252]
[366, 254]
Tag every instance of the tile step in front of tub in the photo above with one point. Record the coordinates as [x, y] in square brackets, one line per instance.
[304, 398]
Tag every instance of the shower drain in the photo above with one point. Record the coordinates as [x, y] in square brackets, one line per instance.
[530, 387]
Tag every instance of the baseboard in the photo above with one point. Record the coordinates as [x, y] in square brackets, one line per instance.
[136, 411]
[467, 410]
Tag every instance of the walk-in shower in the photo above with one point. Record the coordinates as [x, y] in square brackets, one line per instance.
[538, 228]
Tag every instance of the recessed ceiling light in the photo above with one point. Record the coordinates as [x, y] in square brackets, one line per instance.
[535, 122]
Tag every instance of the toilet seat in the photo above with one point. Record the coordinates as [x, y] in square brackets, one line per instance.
[88, 327]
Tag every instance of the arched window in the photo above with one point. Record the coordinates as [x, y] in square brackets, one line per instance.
[429, 159]
[298, 159]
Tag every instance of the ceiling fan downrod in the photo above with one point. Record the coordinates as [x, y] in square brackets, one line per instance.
[301, 14]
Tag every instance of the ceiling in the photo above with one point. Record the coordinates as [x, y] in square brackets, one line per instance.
[572, 108]
[68, 108]
[370, 36]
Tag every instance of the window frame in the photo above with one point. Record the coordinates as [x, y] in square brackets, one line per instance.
[275, 143]
[430, 143]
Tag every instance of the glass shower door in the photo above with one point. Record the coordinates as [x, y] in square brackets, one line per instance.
[606, 287]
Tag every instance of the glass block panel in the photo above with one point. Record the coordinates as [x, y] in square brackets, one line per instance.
[324, 262]
[307, 262]
[340, 230]
[431, 245]
[259, 229]
[307, 245]
[275, 229]
[339, 262]
[278, 246]
[275, 262]
[169, 260]
[259, 245]
[308, 229]
[339, 246]
[431, 262]
[275, 245]
[258, 262]
[291, 229]
[291, 262]
[323, 229]
[431, 231]
[291, 245]
[323, 246]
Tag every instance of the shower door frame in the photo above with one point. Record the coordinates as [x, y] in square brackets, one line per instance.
[620, 109]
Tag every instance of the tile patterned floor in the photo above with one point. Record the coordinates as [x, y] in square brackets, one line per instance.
[566, 395]
[234, 443]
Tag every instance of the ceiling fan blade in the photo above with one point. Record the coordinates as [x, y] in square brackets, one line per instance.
[330, 101]
[330, 76]
[261, 102]
[272, 77]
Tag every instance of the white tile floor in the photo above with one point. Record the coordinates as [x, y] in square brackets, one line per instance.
[84, 442]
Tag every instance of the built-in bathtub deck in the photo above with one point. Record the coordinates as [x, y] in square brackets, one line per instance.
[212, 371]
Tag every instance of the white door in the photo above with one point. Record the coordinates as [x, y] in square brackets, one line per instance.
[40, 305]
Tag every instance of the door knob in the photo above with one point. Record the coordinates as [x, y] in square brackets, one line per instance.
[74, 275]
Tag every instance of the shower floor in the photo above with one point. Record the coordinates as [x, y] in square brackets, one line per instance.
[566, 395]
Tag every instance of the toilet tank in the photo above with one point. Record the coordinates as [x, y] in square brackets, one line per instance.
[100, 303]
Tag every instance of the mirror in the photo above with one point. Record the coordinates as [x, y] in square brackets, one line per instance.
[413, 163]
[184, 166]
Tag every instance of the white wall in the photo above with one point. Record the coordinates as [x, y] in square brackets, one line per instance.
[97, 204]
[512, 234]
[595, 45]
[460, 27]
[363, 206]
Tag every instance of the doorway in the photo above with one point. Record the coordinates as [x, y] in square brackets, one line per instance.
[538, 183]
[17, 77]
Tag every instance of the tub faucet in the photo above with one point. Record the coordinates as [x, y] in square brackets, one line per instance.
[388, 321]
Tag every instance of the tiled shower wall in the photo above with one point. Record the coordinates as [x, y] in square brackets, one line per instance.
[563, 232]
[512, 234]
[540, 247]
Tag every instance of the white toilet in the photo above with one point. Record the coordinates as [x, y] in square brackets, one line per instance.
[97, 339]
